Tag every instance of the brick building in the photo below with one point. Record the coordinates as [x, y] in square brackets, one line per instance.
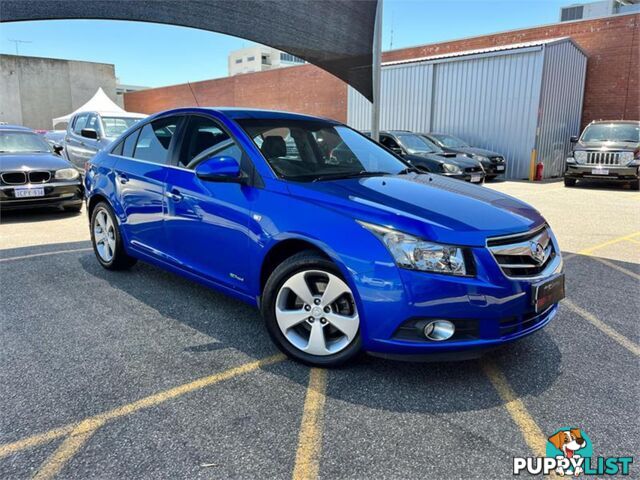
[612, 88]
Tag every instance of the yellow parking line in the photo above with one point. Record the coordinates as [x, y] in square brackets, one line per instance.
[603, 327]
[531, 432]
[146, 402]
[590, 250]
[616, 267]
[73, 443]
[45, 254]
[633, 240]
[310, 437]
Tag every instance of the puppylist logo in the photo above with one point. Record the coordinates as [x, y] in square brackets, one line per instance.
[569, 452]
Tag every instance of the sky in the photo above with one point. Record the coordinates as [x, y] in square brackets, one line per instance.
[157, 55]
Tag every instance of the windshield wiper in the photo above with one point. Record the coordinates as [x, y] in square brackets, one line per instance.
[338, 176]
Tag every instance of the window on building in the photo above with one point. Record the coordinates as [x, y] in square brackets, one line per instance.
[251, 59]
[571, 13]
[154, 140]
[265, 60]
[238, 60]
[287, 57]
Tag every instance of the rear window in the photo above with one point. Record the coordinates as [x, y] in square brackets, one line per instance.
[154, 140]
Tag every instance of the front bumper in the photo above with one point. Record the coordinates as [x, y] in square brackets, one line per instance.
[488, 309]
[607, 172]
[477, 177]
[56, 194]
[493, 169]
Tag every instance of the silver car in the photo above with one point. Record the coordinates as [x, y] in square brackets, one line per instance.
[89, 132]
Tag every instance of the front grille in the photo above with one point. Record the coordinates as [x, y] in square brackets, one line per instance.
[511, 325]
[14, 178]
[477, 169]
[524, 255]
[39, 177]
[603, 158]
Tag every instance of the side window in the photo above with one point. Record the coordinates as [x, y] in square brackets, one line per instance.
[93, 122]
[80, 123]
[129, 144]
[203, 138]
[154, 140]
[117, 150]
[389, 142]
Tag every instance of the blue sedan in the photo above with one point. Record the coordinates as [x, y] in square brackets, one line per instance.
[341, 254]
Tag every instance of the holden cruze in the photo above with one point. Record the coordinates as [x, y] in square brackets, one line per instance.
[341, 254]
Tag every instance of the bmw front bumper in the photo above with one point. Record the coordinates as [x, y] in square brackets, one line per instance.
[56, 194]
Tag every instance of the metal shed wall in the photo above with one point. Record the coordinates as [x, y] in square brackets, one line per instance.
[499, 100]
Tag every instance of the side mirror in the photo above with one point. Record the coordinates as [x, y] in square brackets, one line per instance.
[57, 149]
[574, 139]
[220, 169]
[89, 133]
[397, 150]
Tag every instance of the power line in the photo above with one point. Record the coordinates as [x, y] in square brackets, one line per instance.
[17, 42]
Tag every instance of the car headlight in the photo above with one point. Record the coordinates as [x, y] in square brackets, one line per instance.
[480, 158]
[67, 174]
[416, 254]
[580, 156]
[451, 168]
[626, 157]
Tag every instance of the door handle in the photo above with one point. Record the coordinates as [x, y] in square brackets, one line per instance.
[122, 178]
[174, 195]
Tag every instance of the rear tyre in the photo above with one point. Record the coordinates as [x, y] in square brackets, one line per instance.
[310, 312]
[569, 182]
[107, 241]
[635, 185]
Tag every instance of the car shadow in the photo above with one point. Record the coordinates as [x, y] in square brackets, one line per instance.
[36, 215]
[603, 185]
[433, 387]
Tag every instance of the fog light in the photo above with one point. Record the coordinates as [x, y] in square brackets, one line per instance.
[439, 330]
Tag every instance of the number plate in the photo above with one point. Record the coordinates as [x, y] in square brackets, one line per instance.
[476, 178]
[600, 171]
[548, 292]
[500, 168]
[28, 192]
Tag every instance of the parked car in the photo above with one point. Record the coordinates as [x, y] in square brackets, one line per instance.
[421, 153]
[493, 163]
[340, 257]
[88, 132]
[606, 150]
[55, 138]
[33, 175]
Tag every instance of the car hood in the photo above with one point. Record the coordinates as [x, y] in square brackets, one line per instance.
[430, 206]
[625, 146]
[476, 151]
[32, 161]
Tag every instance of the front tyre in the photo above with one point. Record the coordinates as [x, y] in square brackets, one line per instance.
[310, 311]
[569, 182]
[107, 241]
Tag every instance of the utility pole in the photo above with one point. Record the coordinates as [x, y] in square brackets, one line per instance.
[17, 42]
[375, 73]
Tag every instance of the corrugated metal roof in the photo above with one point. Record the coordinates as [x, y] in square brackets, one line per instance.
[480, 51]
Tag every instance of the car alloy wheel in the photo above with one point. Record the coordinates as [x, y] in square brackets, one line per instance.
[104, 235]
[316, 312]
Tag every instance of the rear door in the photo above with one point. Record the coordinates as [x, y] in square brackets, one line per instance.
[141, 171]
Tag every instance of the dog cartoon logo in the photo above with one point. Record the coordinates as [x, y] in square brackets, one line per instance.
[568, 441]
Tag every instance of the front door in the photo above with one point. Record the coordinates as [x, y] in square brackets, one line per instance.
[141, 173]
[207, 222]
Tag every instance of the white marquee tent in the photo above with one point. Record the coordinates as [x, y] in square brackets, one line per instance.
[102, 104]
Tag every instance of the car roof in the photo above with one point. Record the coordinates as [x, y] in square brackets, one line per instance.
[18, 128]
[630, 122]
[247, 113]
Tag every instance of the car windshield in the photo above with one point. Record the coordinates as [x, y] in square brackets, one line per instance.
[302, 150]
[611, 132]
[114, 126]
[451, 141]
[22, 142]
[418, 144]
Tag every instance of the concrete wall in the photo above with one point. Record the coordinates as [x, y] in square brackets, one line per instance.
[34, 90]
[612, 89]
